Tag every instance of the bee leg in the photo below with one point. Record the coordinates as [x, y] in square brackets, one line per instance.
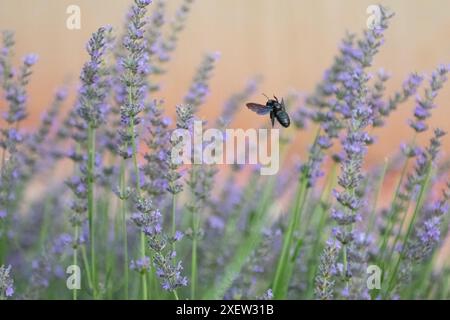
[272, 118]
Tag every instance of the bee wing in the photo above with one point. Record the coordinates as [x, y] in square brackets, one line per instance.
[282, 104]
[259, 108]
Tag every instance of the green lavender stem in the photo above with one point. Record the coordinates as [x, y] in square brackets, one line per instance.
[86, 266]
[194, 263]
[284, 270]
[124, 228]
[195, 224]
[174, 218]
[91, 205]
[321, 212]
[373, 213]
[392, 215]
[75, 260]
[138, 191]
[280, 283]
[417, 209]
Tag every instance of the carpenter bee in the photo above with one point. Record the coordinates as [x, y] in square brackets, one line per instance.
[276, 109]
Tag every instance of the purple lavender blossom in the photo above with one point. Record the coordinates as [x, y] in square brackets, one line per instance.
[92, 107]
[16, 91]
[354, 145]
[199, 88]
[185, 116]
[325, 283]
[166, 45]
[6, 283]
[135, 65]
[423, 107]
[157, 164]
[30, 60]
[168, 269]
[141, 265]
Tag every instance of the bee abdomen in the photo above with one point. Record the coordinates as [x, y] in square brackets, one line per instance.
[283, 118]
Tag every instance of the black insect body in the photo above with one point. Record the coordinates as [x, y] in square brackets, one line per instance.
[276, 109]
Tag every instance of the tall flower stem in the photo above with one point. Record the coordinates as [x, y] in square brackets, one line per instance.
[91, 205]
[393, 211]
[283, 272]
[75, 261]
[123, 211]
[417, 209]
[373, 213]
[138, 191]
[320, 213]
[195, 225]
[174, 218]
[194, 260]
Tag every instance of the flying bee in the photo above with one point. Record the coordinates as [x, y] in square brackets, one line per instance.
[276, 109]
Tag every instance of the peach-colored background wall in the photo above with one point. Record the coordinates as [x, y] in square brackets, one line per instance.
[289, 42]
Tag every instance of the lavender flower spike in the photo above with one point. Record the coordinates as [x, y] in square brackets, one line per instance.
[6, 283]
[136, 68]
[327, 270]
[425, 104]
[185, 116]
[168, 269]
[199, 88]
[92, 107]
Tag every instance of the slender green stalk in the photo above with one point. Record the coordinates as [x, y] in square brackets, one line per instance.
[174, 216]
[321, 212]
[75, 261]
[392, 215]
[284, 270]
[280, 282]
[418, 208]
[86, 266]
[195, 224]
[91, 204]
[194, 260]
[373, 213]
[445, 285]
[138, 191]
[143, 276]
[123, 211]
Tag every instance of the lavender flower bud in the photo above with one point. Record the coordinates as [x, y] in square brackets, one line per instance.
[325, 283]
[6, 283]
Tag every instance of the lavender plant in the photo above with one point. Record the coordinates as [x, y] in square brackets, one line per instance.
[143, 226]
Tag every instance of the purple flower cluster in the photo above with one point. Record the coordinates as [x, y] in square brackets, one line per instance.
[133, 67]
[199, 88]
[409, 88]
[16, 91]
[185, 114]
[157, 162]
[423, 106]
[6, 283]
[325, 283]
[92, 107]
[424, 160]
[164, 261]
[167, 45]
[428, 231]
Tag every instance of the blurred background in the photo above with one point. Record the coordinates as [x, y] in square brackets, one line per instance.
[289, 42]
